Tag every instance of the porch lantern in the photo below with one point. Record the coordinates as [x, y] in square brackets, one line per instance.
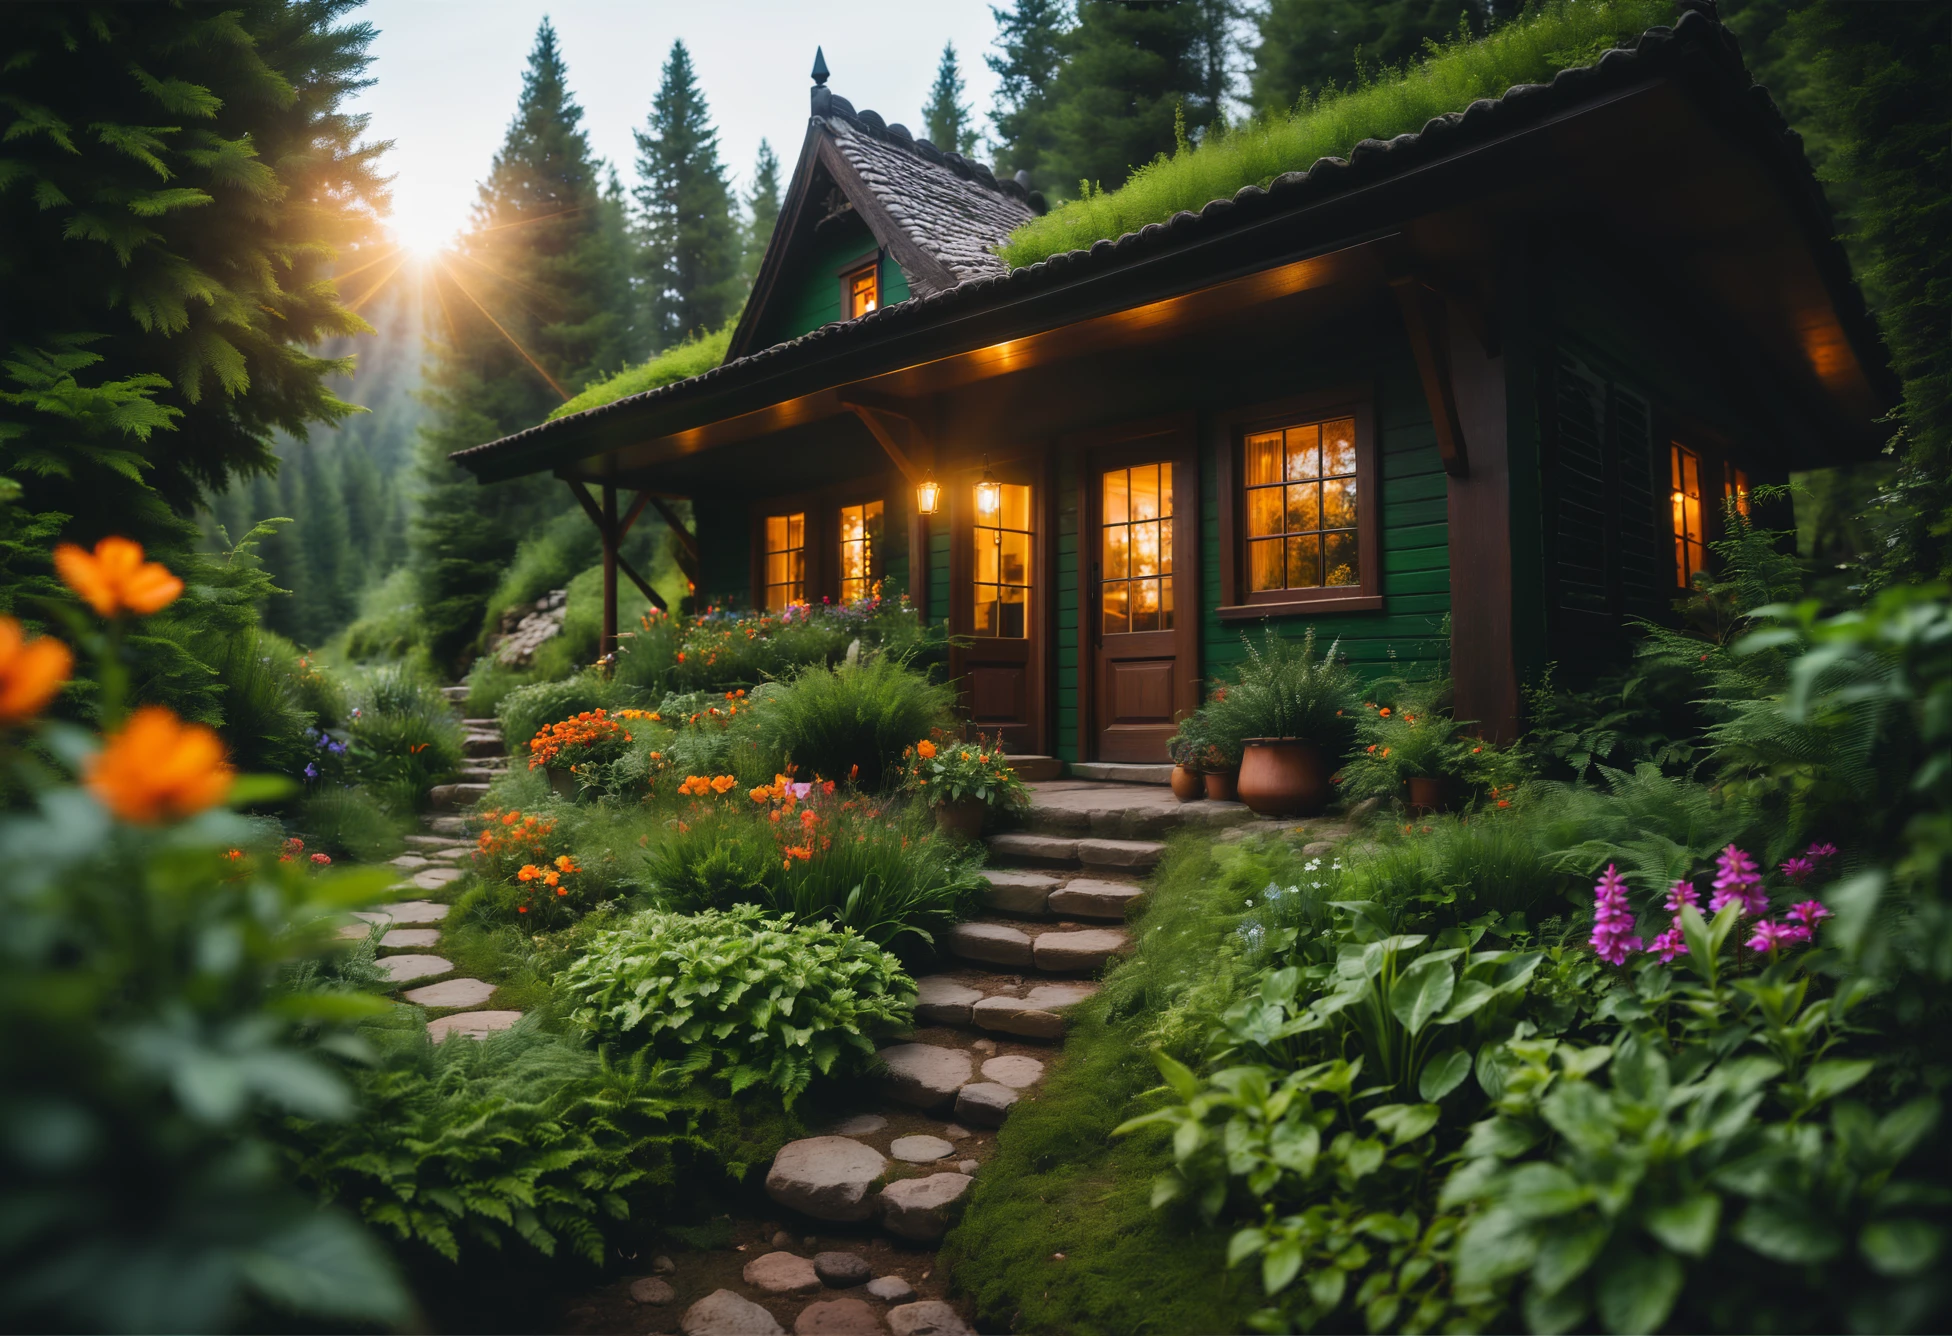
[927, 493]
[988, 494]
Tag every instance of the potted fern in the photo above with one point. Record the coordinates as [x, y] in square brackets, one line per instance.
[1294, 714]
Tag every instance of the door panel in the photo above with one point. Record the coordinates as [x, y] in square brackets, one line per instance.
[1140, 591]
[997, 567]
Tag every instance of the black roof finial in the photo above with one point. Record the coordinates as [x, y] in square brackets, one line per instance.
[819, 66]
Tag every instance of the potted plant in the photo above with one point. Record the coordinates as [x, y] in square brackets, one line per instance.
[1294, 714]
[1412, 751]
[565, 752]
[1188, 749]
[962, 782]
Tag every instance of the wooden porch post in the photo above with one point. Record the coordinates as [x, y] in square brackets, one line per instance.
[1484, 665]
[608, 645]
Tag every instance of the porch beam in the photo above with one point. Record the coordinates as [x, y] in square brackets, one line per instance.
[610, 531]
[871, 419]
[1425, 319]
[687, 540]
[636, 509]
[607, 647]
[651, 595]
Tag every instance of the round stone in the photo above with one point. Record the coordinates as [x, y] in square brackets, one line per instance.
[931, 1317]
[920, 1149]
[841, 1269]
[473, 1024]
[891, 1289]
[860, 1125]
[400, 938]
[412, 911]
[651, 1290]
[925, 1075]
[781, 1273]
[922, 1209]
[405, 969]
[1014, 1071]
[451, 993]
[723, 1313]
[433, 878]
[984, 1102]
[826, 1177]
[968, 1166]
[661, 1264]
[837, 1317]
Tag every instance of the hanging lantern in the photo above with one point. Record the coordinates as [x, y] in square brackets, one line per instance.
[988, 494]
[927, 493]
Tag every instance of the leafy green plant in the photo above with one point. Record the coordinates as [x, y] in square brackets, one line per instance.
[1414, 737]
[527, 710]
[947, 772]
[349, 822]
[852, 723]
[1284, 690]
[739, 996]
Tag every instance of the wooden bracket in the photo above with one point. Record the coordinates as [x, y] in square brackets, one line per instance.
[870, 415]
[1425, 318]
[611, 529]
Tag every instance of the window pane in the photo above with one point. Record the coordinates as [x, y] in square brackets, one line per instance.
[1264, 511]
[777, 570]
[1115, 622]
[1304, 452]
[984, 611]
[1016, 506]
[1166, 546]
[1117, 557]
[1304, 562]
[1115, 494]
[1338, 447]
[1145, 549]
[1145, 605]
[1263, 458]
[776, 533]
[1264, 569]
[1166, 604]
[1166, 490]
[1304, 507]
[1145, 492]
[796, 530]
[986, 557]
[1013, 612]
[1339, 504]
[1343, 565]
[1016, 558]
[850, 524]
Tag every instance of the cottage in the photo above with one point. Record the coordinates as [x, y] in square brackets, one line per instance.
[1472, 397]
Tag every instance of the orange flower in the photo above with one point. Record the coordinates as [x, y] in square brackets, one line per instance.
[723, 783]
[564, 863]
[159, 767]
[114, 577]
[925, 749]
[31, 671]
[1385, 712]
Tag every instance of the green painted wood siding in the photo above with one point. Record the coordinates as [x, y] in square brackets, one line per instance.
[1410, 634]
[811, 298]
[1065, 695]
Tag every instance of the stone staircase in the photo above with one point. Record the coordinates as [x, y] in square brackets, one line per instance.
[486, 760]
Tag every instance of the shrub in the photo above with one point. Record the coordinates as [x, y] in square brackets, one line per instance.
[527, 710]
[591, 738]
[947, 772]
[489, 683]
[852, 723]
[739, 996]
[1284, 691]
[398, 754]
[350, 823]
[389, 625]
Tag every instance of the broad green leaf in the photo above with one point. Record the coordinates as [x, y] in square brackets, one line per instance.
[1829, 1079]
[1421, 992]
[1540, 1191]
[1326, 1287]
[1551, 1314]
[1500, 1136]
[1687, 1226]
[1788, 1232]
[1637, 1290]
[1694, 931]
[1495, 1245]
[1566, 1252]
[1177, 1074]
[1471, 995]
[1444, 1073]
[1244, 1244]
[1900, 1247]
[1280, 1264]
[1404, 1122]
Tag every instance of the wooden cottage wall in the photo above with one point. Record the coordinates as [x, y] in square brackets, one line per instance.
[811, 297]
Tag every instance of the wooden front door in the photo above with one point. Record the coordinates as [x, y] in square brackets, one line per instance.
[998, 603]
[1141, 534]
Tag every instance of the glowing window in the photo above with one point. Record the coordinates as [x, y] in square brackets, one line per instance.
[1002, 583]
[1136, 565]
[860, 545]
[1736, 483]
[863, 291]
[786, 560]
[1690, 548]
[1301, 507]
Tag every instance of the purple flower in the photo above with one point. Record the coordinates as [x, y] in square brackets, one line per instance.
[1670, 943]
[1738, 878]
[1682, 893]
[1796, 869]
[1612, 920]
[1821, 851]
[801, 790]
[1772, 936]
[1809, 913]
[311, 771]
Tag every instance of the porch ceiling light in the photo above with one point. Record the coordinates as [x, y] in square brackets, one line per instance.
[989, 495]
[928, 493]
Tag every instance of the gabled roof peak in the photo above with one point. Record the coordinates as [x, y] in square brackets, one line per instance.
[831, 107]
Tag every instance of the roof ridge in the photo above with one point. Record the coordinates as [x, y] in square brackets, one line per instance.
[873, 124]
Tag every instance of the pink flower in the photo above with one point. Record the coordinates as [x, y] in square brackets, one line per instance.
[323, 860]
[1772, 936]
[1612, 920]
[801, 790]
[1682, 893]
[1809, 913]
[1670, 943]
[1821, 851]
[1737, 878]
[1796, 869]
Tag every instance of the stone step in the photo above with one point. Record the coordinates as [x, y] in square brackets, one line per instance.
[1078, 807]
[480, 774]
[483, 745]
[1029, 894]
[483, 726]
[472, 1024]
[973, 998]
[455, 694]
[450, 993]
[405, 969]
[1036, 769]
[1045, 949]
[1122, 772]
[452, 796]
[448, 827]
[429, 841]
[1022, 846]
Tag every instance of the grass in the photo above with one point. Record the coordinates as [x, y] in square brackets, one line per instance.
[1062, 1184]
[1530, 49]
[693, 357]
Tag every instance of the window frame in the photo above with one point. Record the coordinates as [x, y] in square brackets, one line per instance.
[841, 497]
[1228, 435]
[777, 508]
[847, 273]
[822, 506]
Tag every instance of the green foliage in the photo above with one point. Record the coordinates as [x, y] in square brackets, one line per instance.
[850, 723]
[690, 259]
[953, 771]
[1305, 47]
[522, 1138]
[1284, 691]
[1529, 49]
[1028, 51]
[946, 121]
[747, 999]
[1415, 737]
[388, 624]
[528, 710]
[349, 823]
[693, 355]
[762, 207]
[161, 1001]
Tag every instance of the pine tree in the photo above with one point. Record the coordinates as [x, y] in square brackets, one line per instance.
[1128, 77]
[319, 510]
[543, 257]
[692, 261]
[1030, 40]
[1307, 46]
[946, 119]
[762, 208]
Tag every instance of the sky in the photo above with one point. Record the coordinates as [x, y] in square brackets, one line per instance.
[448, 73]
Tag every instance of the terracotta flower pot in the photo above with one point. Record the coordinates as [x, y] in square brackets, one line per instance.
[962, 818]
[1187, 785]
[1429, 795]
[1284, 777]
[1220, 787]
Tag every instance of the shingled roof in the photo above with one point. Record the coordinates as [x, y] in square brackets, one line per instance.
[1694, 49]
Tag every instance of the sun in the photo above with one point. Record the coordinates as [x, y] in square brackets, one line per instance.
[422, 239]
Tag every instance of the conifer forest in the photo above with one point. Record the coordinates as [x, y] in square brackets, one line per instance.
[1170, 666]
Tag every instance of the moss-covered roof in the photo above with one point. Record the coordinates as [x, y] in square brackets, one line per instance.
[693, 357]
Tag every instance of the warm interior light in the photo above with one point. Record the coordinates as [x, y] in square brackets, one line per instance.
[988, 494]
[927, 493]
